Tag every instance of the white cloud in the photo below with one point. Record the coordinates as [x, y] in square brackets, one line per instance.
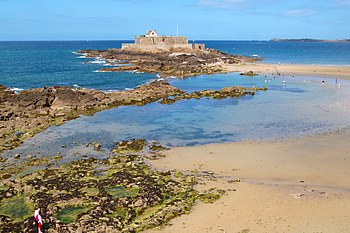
[298, 12]
[344, 2]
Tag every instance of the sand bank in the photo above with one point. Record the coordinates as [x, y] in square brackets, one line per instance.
[297, 185]
[341, 72]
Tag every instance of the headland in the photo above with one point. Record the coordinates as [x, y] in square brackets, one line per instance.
[310, 40]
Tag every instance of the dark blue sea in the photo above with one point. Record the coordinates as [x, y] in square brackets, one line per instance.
[35, 64]
[292, 107]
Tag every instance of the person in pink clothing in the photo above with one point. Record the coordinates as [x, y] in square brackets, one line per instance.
[38, 219]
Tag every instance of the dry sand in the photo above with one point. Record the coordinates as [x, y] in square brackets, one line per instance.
[341, 72]
[295, 185]
[299, 185]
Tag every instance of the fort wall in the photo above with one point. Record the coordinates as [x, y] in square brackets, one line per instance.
[151, 41]
[142, 40]
[162, 46]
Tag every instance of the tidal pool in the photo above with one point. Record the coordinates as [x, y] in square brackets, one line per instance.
[292, 107]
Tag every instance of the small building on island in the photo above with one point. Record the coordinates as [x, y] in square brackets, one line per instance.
[152, 42]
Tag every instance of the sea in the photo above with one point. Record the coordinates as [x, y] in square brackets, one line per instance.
[292, 107]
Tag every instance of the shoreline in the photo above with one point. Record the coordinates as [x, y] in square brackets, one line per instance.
[321, 71]
[289, 185]
[270, 186]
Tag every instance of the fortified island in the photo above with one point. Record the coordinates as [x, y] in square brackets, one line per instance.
[166, 56]
[151, 42]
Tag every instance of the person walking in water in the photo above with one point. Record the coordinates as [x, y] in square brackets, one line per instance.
[38, 219]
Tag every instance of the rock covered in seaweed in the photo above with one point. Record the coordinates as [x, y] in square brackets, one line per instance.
[119, 194]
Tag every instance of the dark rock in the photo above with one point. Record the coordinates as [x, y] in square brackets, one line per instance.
[178, 62]
[248, 73]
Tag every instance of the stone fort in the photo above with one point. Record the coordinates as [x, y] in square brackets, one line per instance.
[151, 42]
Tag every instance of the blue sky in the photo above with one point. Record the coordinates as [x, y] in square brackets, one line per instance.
[198, 19]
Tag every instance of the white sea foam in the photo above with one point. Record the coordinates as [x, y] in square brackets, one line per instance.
[110, 90]
[98, 62]
[16, 90]
[137, 72]
[101, 71]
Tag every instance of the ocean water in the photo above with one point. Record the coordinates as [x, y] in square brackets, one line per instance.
[292, 107]
[34, 64]
[25, 65]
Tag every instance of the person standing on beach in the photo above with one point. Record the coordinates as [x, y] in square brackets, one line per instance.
[38, 219]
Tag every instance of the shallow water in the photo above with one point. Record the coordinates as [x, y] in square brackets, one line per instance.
[292, 107]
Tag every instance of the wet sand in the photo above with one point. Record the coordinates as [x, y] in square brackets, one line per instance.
[299, 185]
[341, 72]
[294, 185]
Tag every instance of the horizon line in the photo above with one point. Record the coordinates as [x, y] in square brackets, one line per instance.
[56, 40]
[190, 40]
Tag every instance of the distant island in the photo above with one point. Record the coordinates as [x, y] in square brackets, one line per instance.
[308, 40]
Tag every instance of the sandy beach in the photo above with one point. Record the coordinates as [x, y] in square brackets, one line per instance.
[294, 185]
[299, 185]
[336, 71]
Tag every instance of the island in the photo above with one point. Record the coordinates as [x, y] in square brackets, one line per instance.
[309, 40]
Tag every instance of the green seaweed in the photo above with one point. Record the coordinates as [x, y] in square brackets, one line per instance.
[127, 193]
[3, 188]
[118, 212]
[127, 147]
[209, 197]
[120, 192]
[17, 207]
[71, 213]
[90, 191]
[178, 174]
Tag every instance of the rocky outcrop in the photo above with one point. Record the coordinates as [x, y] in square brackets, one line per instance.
[23, 115]
[248, 73]
[29, 112]
[177, 62]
